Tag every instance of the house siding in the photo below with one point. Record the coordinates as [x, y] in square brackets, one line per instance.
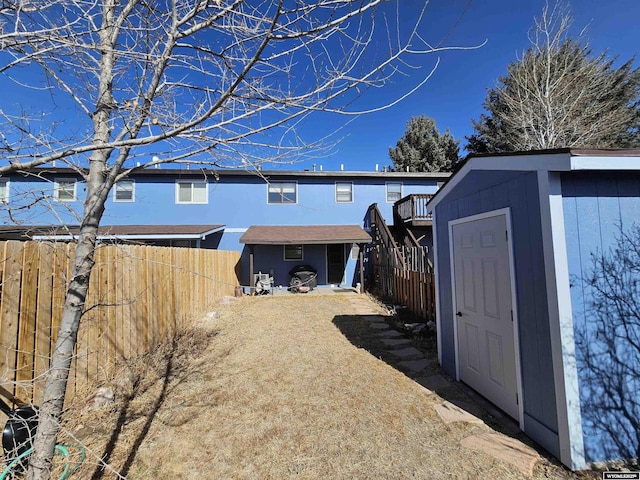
[237, 201]
[597, 205]
[314, 255]
[484, 191]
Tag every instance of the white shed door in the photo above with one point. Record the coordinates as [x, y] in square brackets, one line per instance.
[486, 350]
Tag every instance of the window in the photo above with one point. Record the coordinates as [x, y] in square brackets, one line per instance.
[123, 191]
[293, 252]
[65, 189]
[344, 192]
[191, 192]
[4, 190]
[394, 192]
[280, 192]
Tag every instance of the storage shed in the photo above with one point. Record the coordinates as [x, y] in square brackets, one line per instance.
[537, 284]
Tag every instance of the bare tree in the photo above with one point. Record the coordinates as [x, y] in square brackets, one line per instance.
[559, 95]
[215, 82]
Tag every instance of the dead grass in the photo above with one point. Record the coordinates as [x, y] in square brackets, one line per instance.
[273, 389]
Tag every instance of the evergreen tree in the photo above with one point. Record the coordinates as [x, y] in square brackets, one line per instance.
[560, 95]
[423, 149]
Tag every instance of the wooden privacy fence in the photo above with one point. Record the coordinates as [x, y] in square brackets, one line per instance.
[138, 296]
[411, 284]
[416, 290]
[400, 273]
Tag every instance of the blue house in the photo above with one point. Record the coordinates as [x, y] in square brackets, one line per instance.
[315, 217]
[537, 280]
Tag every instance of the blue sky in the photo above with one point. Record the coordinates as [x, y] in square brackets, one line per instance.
[455, 93]
[453, 96]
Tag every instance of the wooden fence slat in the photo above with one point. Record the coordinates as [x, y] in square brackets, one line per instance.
[111, 317]
[124, 336]
[171, 307]
[152, 297]
[141, 301]
[44, 312]
[27, 326]
[12, 277]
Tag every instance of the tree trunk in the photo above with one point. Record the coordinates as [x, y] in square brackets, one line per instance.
[56, 384]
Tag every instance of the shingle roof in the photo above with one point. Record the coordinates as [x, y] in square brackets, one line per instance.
[305, 235]
[138, 231]
[151, 230]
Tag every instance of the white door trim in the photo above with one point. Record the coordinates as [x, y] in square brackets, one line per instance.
[494, 213]
[436, 276]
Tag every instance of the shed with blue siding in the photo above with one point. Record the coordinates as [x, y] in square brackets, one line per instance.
[527, 312]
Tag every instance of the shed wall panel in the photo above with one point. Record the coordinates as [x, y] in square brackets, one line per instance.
[599, 209]
[483, 191]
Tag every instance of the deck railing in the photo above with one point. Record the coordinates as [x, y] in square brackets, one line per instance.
[413, 207]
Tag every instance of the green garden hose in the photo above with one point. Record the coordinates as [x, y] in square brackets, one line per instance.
[61, 450]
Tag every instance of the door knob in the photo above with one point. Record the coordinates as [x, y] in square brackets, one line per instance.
[459, 314]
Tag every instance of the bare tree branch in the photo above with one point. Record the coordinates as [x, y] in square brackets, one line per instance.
[122, 85]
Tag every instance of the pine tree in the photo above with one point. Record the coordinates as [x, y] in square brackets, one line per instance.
[423, 149]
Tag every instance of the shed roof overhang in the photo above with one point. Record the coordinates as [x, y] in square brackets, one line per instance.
[304, 235]
[555, 160]
[130, 232]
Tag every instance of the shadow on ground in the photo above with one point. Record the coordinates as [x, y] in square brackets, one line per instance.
[172, 369]
[361, 331]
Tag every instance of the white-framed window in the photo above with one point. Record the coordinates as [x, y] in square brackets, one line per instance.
[394, 191]
[4, 190]
[282, 192]
[344, 192]
[293, 252]
[124, 191]
[191, 191]
[64, 189]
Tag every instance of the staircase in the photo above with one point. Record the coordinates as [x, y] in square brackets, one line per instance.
[398, 267]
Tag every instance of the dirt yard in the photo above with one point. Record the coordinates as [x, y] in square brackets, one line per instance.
[282, 387]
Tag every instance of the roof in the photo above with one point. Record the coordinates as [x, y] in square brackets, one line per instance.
[601, 152]
[305, 235]
[199, 172]
[140, 232]
[552, 160]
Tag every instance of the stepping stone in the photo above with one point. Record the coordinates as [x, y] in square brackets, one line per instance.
[450, 413]
[379, 326]
[392, 342]
[406, 352]
[505, 448]
[433, 382]
[390, 334]
[415, 365]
